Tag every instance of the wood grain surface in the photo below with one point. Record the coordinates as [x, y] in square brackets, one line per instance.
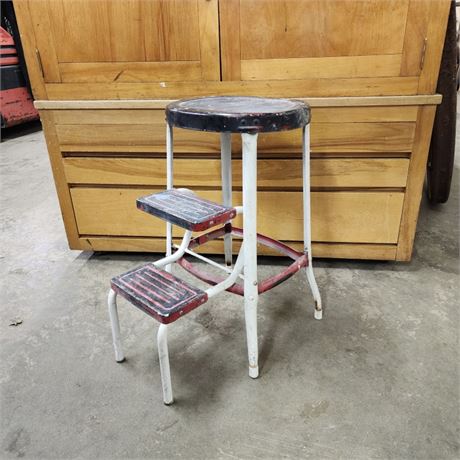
[368, 69]
[344, 217]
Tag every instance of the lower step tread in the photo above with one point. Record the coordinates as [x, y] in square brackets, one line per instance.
[158, 293]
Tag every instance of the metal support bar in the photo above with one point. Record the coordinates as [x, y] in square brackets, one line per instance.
[163, 355]
[230, 280]
[168, 260]
[209, 261]
[169, 185]
[115, 324]
[250, 248]
[307, 220]
[226, 174]
[300, 260]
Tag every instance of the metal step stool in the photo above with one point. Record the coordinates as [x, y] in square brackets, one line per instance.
[165, 297]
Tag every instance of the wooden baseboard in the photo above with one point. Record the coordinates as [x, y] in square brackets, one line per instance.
[157, 245]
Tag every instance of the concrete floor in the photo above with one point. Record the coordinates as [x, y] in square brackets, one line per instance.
[377, 378]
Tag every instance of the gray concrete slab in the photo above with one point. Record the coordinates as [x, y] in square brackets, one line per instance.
[377, 378]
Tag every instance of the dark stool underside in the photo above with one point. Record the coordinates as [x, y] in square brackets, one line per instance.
[238, 114]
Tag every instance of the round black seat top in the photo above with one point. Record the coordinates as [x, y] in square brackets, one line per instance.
[238, 114]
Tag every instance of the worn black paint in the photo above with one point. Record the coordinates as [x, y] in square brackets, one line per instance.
[185, 209]
[238, 114]
[158, 293]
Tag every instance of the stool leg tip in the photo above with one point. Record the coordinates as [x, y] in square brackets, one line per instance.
[254, 372]
[318, 314]
[168, 403]
[121, 360]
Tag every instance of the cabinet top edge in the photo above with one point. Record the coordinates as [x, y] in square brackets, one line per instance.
[363, 101]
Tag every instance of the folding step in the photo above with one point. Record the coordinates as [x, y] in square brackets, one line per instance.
[158, 293]
[185, 209]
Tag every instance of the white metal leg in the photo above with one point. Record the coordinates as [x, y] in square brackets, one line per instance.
[231, 279]
[307, 221]
[168, 260]
[250, 248]
[169, 185]
[162, 341]
[226, 174]
[113, 314]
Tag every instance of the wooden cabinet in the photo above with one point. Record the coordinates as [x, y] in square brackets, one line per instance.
[84, 49]
[107, 42]
[104, 71]
[288, 40]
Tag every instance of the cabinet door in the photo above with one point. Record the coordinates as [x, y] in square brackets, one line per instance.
[373, 42]
[126, 41]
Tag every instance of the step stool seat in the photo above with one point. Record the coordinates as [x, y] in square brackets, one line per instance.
[158, 293]
[238, 114]
[185, 209]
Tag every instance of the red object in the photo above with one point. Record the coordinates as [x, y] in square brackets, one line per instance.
[8, 53]
[158, 293]
[16, 102]
[185, 209]
[300, 260]
[17, 106]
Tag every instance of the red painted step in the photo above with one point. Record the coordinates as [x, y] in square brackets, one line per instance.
[158, 293]
[185, 209]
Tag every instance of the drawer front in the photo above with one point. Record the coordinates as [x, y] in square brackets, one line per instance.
[272, 173]
[380, 130]
[156, 116]
[325, 137]
[340, 217]
[359, 170]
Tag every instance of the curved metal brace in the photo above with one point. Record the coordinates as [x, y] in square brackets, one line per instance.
[300, 260]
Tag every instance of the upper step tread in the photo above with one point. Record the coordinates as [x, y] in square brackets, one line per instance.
[186, 209]
[158, 293]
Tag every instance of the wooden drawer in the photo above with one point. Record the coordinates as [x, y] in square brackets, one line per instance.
[272, 173]
[334, 129]
[325, 137]
[364, 160]
[340, 217]
[155, 116]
